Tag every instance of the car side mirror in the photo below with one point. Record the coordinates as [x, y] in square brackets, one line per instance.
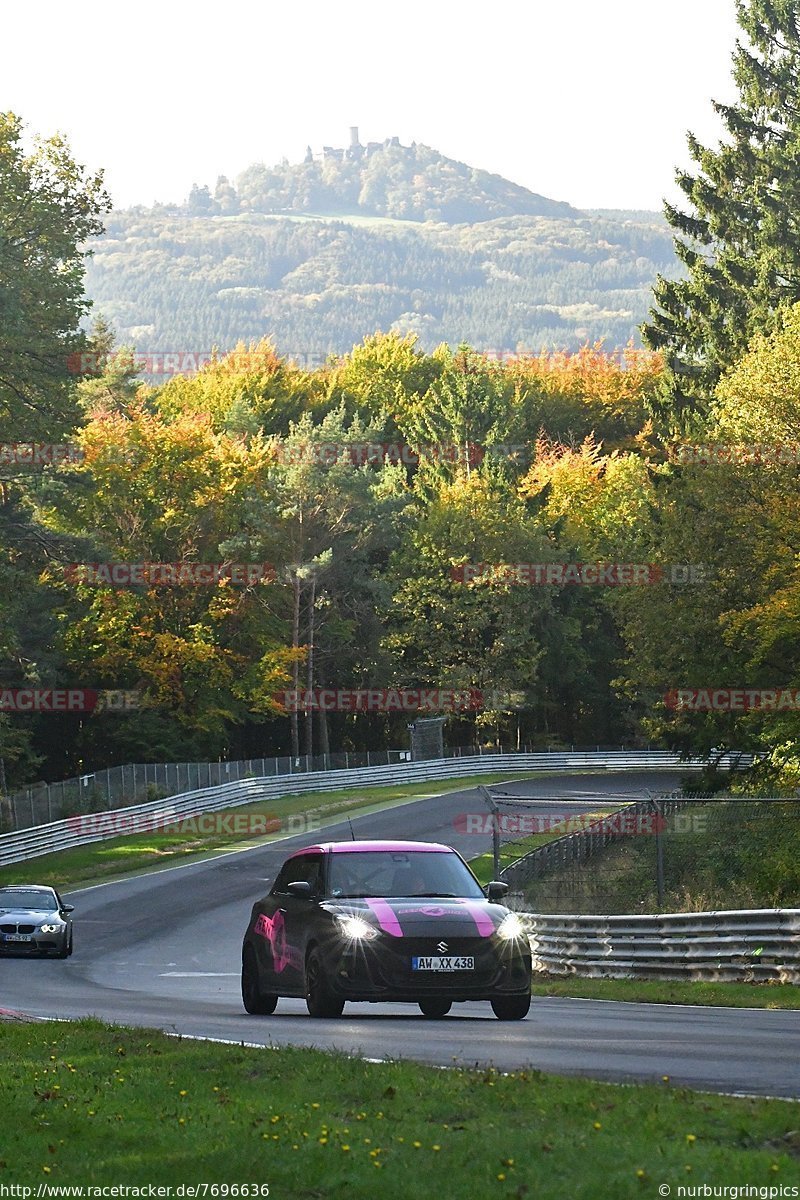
[301, 888]
[68, 908]
[496, 889]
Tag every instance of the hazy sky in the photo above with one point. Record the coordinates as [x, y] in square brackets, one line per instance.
[582, 101]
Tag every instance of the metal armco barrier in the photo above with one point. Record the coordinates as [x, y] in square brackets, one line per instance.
[23, 844]
[740, 946]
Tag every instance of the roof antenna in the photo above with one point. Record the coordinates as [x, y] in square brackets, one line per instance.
[350, 823]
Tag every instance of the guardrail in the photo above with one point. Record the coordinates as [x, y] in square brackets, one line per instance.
[29, 843]
[740, 946]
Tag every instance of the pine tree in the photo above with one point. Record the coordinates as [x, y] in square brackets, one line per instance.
[740, 238]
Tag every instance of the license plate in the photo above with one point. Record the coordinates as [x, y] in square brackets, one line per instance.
[17, 937]
[442, 964]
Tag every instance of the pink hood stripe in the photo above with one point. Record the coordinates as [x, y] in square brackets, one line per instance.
[483, 921]
[390, 922]
[387, 918]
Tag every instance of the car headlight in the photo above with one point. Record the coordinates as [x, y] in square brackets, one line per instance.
[49, 928]
[357, 929]
[511, 927]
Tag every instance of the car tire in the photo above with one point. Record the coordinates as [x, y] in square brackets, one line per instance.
[256, 1002]
[320, 1001]
[67, 950]
[431, 1007]
[511, 1008]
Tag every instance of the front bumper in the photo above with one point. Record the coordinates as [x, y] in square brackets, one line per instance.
[34, 943]
[381, 969]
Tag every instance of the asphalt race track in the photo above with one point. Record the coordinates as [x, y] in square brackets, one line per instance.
[163, 950]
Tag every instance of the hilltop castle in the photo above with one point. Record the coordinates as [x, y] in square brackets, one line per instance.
[354, 151]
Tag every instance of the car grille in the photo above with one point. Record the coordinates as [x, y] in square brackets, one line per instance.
[7, 928]
[396, 961]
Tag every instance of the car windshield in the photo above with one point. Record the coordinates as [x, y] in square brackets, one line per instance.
[43, 901]
[400, 873]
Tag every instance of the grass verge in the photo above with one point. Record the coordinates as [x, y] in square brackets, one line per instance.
[510, 852]
[660, 991]
[116, 857]
[716, 855]
[91, 1104]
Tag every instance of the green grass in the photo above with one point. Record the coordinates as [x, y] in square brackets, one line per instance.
[116, 857]
[90, 1104]
[660, 991]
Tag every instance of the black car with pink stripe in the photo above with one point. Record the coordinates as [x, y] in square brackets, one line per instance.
[384, 921]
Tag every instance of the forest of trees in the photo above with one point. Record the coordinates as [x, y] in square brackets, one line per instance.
[684, 457]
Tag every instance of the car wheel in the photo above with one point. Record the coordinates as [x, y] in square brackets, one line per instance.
[256, 1002]
[511, 1008]
[320, 1001]
[66, 950]
[435, 1008]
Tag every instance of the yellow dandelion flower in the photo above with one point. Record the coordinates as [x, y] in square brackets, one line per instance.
[691, 1139]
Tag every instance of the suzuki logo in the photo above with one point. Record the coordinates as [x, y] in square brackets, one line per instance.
[441, 947]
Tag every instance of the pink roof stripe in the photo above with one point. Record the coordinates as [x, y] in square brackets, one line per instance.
[375, 847]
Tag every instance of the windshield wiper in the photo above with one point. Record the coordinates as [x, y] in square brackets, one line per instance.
[436, 895]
